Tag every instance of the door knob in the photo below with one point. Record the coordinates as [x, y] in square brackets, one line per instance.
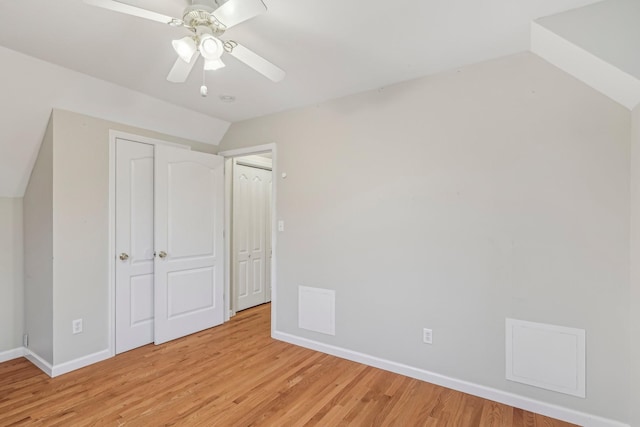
[124, 256]
[162, 254]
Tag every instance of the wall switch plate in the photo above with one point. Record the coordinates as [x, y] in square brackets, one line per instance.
[76, 326]
[427, 336]
[281, 225]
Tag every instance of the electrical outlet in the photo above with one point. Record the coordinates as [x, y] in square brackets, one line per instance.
[427, 336]
[25, 340]
[76, 326]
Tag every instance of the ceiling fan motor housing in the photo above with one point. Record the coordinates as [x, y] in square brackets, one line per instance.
[198, 16]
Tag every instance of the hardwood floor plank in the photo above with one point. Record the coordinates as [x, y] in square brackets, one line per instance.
[236, 375]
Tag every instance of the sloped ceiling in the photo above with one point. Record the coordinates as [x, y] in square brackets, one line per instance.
[609, 30]
[597, 44]
[328, 49]
[31, 88]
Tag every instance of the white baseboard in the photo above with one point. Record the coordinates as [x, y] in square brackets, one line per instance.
[14, 353]
[39, 362]
[511, 399]
[80, 362]
[63, 368]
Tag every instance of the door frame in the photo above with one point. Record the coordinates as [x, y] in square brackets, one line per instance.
[229, 155]
[111, 276]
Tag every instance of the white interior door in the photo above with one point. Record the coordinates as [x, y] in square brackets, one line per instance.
[134, 245]
[189, 280]
[251, 246]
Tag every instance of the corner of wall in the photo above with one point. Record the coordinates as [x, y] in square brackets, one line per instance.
[38, 251]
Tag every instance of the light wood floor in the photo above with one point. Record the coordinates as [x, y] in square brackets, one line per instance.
[236, 375]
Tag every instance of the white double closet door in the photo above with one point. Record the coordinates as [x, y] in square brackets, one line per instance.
[251, 236]
[169, 243]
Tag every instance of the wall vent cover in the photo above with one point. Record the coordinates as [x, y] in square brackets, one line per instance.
[546, 356]
[317, 310]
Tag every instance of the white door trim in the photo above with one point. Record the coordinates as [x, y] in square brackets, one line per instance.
[254, 162]
[113, 135]
[258, 149]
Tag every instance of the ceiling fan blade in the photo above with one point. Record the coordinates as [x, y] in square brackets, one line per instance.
[257, 62]
[181, 70]
[234, 12]
[117, 6]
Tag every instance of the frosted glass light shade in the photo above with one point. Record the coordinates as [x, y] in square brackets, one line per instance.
[213, 64]
[185, 48]
[210, 47]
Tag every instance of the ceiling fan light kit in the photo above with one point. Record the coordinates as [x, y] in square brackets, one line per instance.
[207, 20]
[213, 64]
[210, 47]
[185, 48]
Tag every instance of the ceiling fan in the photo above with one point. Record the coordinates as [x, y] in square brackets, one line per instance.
[206, 20]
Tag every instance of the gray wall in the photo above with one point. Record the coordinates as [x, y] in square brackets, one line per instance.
[80, 227]
[11, 267]
[38, 251]
[634, 299]
[454, 201]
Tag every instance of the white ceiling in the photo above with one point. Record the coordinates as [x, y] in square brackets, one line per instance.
[69, 55]
[329, 48]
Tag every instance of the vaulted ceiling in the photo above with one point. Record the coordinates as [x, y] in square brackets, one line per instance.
[328, 48]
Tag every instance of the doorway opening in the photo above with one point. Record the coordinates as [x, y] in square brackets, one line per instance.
[250, 232]
[250, 189]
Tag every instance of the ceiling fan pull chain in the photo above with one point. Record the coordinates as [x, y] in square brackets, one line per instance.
[203, 89]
